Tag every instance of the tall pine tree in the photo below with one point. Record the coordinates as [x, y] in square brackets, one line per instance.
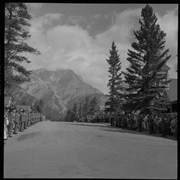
[75, 112]
[16, 34]
[69, 116]
[143, 76]
[85, 109]
[80, 112]
[115, 81]
[93, 106]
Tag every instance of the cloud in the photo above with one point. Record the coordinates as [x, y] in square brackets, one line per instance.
[76, 20]
[71, 46]
[39, 28]
[122, 25]
[96, 16]
[120, 32]
[46, 19]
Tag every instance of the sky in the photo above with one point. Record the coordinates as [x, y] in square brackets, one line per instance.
[79, 36]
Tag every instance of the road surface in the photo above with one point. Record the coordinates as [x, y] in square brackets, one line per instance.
[76, 150]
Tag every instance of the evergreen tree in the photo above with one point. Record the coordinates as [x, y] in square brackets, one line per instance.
[143, 75]
[115, 81]
[74, 112]
[80, 112]
[69, 116]
[94, 106]
[85, 109]
[94, 109]
[16, 48]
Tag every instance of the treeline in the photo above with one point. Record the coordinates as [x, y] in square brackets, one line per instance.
[85, 111]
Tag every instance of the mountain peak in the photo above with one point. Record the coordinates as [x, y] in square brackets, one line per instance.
[56, 75]
[56, 89]
[63, 78]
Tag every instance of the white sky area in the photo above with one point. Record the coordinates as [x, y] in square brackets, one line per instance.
[75, 42]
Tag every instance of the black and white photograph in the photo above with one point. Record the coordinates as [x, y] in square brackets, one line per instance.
[90, 90]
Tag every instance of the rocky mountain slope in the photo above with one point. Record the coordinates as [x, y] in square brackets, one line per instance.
[55, 91]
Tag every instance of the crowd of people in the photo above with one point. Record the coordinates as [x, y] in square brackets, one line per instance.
[164, 124]
[155, 123]
[17, 120]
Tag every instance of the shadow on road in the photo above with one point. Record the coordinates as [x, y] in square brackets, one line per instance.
[115, 129]
[89, 124]
[27, 136]
[107, 127]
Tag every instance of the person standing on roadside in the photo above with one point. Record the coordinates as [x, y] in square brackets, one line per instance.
[43, 117]
[176, 129]
[5, 135]
[6, 123]
[32, 118]
[16, 121]
[145, 118]
[147, 122]
[156, 124]
[18, 118]
[40, 116]
[28, 118]
[159, 123]
[163, 125]
[21, 120]
[173, 125]
[36, 117]
[25, 119]
[11, 123]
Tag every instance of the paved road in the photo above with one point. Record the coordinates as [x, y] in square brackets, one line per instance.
[72, 150]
